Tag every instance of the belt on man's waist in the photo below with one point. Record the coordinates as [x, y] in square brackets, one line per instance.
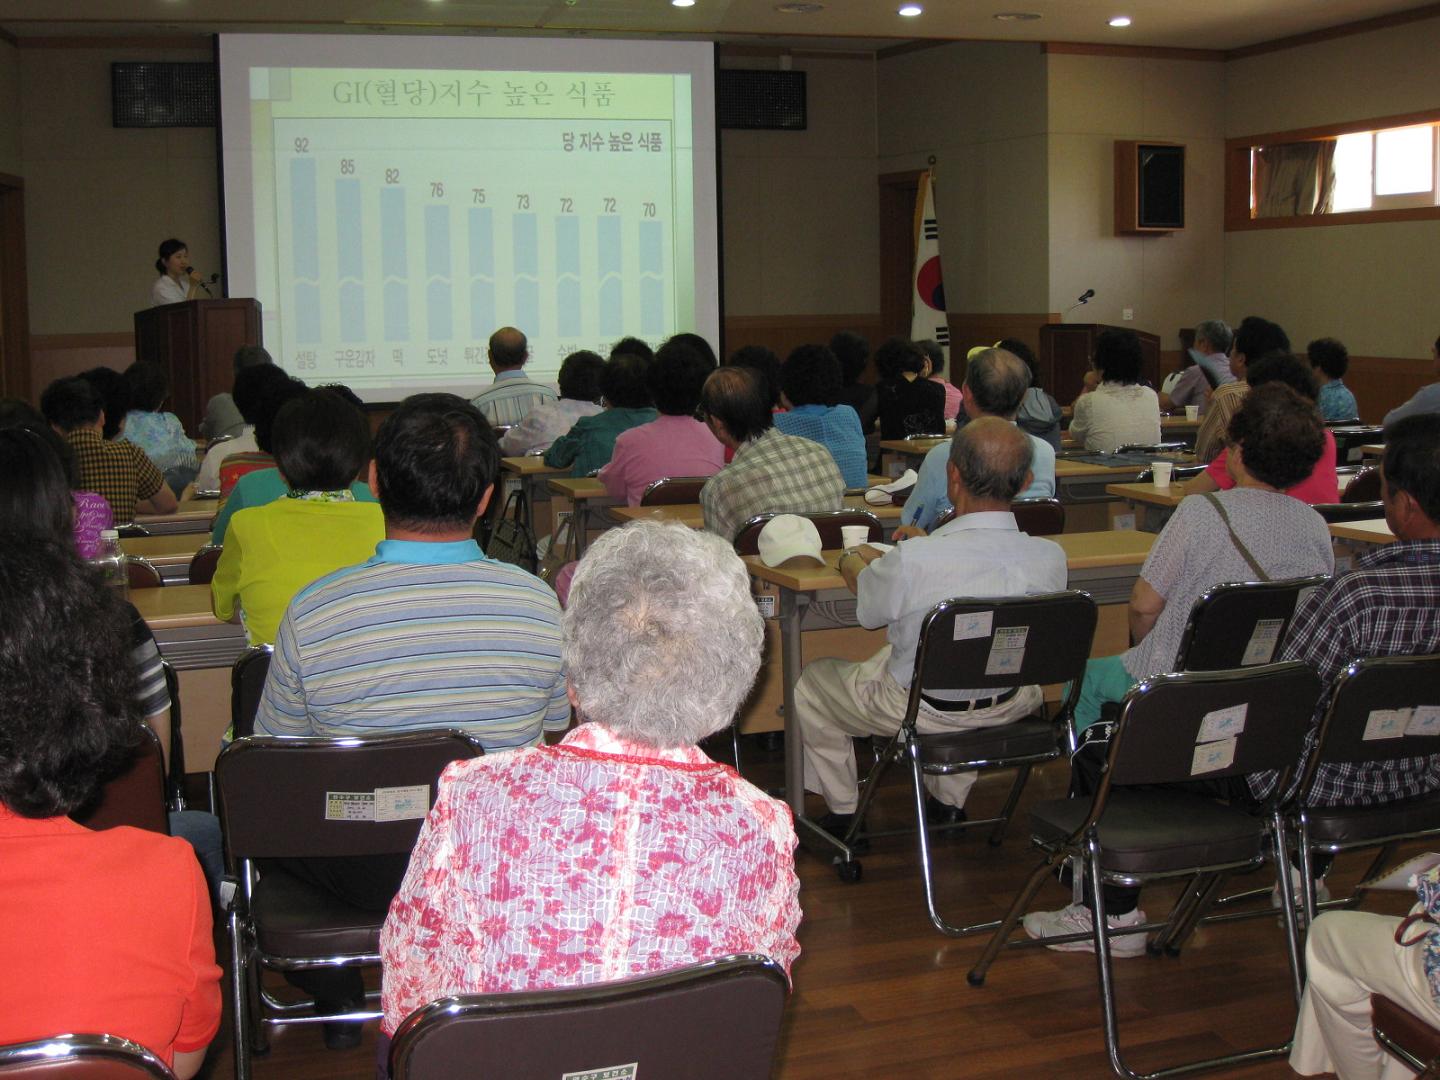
[973, 705]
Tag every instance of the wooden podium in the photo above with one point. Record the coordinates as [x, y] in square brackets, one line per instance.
[195, 341]
[1065, 351]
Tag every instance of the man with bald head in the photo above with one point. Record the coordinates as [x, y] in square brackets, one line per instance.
[980, 552]
[512, 395]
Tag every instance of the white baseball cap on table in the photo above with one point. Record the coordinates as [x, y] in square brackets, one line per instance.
[789, 536]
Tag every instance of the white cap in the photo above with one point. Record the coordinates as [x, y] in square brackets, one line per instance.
[789, 536]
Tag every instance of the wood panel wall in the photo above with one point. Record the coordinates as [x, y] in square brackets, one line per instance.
[781, 333]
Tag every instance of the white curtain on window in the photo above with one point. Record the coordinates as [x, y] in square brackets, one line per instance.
[1295, 179]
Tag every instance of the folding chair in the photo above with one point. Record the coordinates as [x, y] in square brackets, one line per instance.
[81, 1057]
[1349, 510]
[129, 530]
[986, 645]
[1348, 441]
[673, 491]
[1039, 517]
[1142, 824]
[714, 1021]
[278, 799]
[175, 774]
[203, 563]
[135, 796]
[142, 573]
[829, 523]
[1241, 624]
[1176, 447]
[1364, 488]
[1179, 472]
[1404, 1035]
[247, 683]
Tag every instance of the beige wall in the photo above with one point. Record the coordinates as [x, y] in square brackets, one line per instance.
[1170, 280]
[980, 110]
[10, 161]
[1372, 286]
[99, 199]
[800, 228]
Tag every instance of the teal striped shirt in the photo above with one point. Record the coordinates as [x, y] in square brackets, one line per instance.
[511, 397]
[423, 635]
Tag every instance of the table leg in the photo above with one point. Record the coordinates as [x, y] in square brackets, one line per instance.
[527, 484]
[792, 607]
[580, 519]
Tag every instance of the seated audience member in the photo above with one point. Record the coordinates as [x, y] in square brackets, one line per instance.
[159, 434]
[1322, 485]
[766, 364]
[1276, 443]
[633, 346]
[674, 443]
[274, 550]
[1039, 413]
[223, 418]
[91, 511]
[1425, 400]
[1330, 360]
[1204, 366]
[1254, 337]
[103, 931]
[771, 472]
[809, 389]
[1388, 605]
[979, 553]
[512, 395]
[937, 374]
[699, 344]
[273, 396]
[625, 391]
[579, 396]
[117, 471]
[995, 382]
[908, 404]
[1119, 411]
[662, 643]
[853, 352]
[115, 393]
[250, 387]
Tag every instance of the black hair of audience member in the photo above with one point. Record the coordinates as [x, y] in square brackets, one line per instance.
[273, 397]
[1284, 368]
[1280, 435]
[735, 395]
[320, 442]
[853, 352]
[345, 394]
[148, 384]
[250, 384]
[34, 488]
[15, 413]
[696, 342]
[997, 380]
[115, 393]
[624, 382]
[579, 377]
[1118, 358]
[895, 356]
[676, 375]
[71, 403]
[765, 364]
[810, 375]
[249, 356]
[1330, 356]
[934, 353]
[435, 457]
[632, 346]
[1255, 337]
[71, 718]
[1412, 460]
[1025, 353]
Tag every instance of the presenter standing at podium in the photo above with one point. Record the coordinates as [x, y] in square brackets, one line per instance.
[178, 280]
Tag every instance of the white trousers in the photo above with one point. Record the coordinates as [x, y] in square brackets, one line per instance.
[838, 699]
[1350, 955]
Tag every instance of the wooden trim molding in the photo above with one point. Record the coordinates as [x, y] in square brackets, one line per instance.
[155, 41]
[1332, 131]
[1360, 26]
[1137, 52]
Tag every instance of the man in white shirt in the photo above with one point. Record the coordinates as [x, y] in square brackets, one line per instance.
[980, 553]
[512, 395]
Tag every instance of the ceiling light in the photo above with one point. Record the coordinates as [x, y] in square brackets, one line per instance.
[682, 3]
[1017, 16]
[796, 8]
[1120, 20]
[911, 10]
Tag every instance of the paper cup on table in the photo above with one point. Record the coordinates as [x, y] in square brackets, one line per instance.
[1192, 412]
[1161, 471]
[852, 536]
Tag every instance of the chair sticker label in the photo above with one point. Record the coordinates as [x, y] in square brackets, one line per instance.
[1213, 756]
[1223, 723]
[1425, 720]
[349, 806]
[402, 803]
[1007, 650]
[1263, 639]
[614, 1072]
[766, 604]
[974, 625]
[1386, 724]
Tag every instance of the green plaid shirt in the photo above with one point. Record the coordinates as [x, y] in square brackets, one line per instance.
[118, 471]
[771, 474]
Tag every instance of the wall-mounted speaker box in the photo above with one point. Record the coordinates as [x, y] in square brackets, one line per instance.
[1149, 187]
[162, 94]
[760, 100]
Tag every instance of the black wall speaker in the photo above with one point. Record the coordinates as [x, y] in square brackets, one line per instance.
[148, 95]
[751, 100]
[1149, 187]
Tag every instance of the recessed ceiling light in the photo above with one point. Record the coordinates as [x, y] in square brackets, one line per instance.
[1017, 16]
[799, 8]
[911, 10]
[1120, 21]
[682, 3]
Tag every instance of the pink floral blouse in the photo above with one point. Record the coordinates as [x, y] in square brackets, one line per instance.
[593, 860]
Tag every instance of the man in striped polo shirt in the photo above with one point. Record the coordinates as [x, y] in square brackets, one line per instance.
[512, 395]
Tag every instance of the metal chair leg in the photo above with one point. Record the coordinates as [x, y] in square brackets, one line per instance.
[997, 834]
[1178, 914]
[239, 995]
[1283, 873]
[1006, 927]
[1203, 901]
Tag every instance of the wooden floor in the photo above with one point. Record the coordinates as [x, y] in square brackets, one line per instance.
[879, 993]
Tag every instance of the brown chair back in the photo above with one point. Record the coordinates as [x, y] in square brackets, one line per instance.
[1241, 624]
[203, 563]
[142, 573]
[673, 491]
[827, 522]
[1402, 1033]
[136, 796]
[1364, 488]
[1039, 517]
[81, 1057]
[247, 683]
[714, 1021]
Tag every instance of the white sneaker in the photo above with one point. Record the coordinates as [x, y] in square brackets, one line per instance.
[1076, 919]
[1322, 893]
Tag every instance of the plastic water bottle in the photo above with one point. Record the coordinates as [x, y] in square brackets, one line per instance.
[111, 562]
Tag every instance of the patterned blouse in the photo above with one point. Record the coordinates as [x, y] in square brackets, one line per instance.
[162, 438]
[594, 860]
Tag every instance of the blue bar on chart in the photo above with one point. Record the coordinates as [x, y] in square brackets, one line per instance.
[350, 258]
[482, 272]
[394, 265]
[437, 271]
[567, 276]
[612, 288]
[652, 281]
[305, 250]
[527, 272]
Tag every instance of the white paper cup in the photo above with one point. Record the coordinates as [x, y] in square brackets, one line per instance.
[1161, 471]
[852, 536]
[949, 427]
[1192, 412]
